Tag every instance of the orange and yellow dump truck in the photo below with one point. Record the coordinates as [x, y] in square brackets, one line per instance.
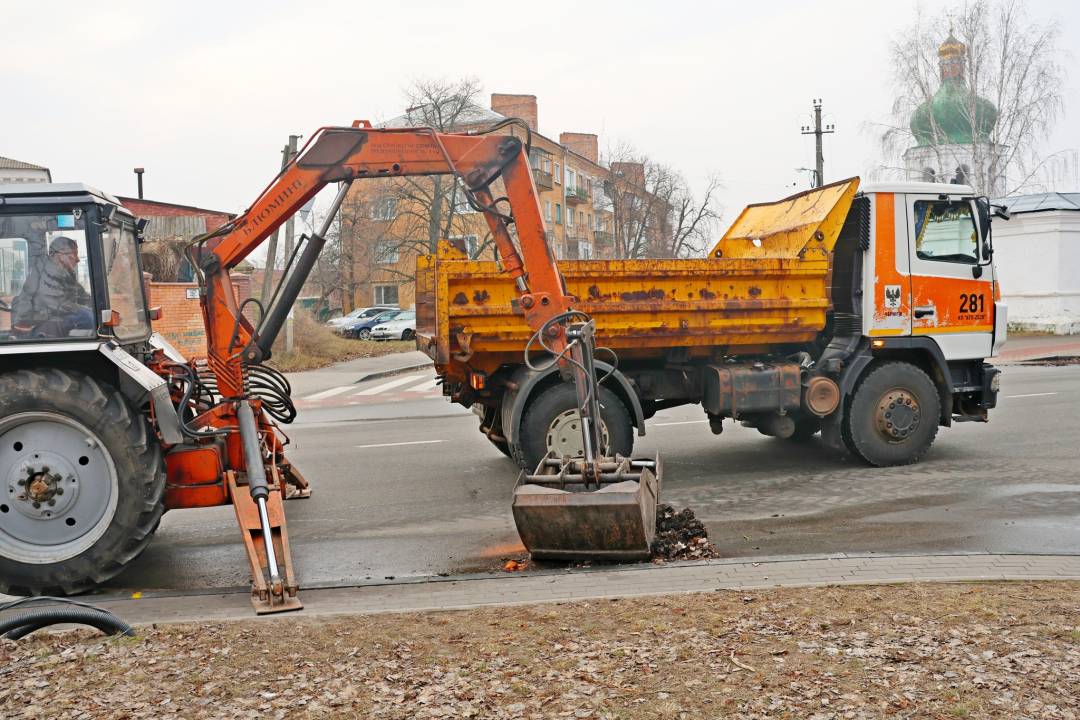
[866, 314]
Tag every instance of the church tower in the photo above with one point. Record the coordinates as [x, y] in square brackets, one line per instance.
[952, 130]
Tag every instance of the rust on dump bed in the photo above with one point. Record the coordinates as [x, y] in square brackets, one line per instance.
[769, 286]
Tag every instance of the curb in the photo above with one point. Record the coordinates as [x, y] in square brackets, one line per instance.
[394, 371]
[642, 580]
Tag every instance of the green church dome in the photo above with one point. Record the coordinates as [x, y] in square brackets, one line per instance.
[955, 115]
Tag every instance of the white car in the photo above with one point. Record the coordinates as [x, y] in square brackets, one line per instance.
[402, 327]
[339, 324]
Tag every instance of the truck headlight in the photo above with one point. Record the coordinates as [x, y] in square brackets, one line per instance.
[995, 383]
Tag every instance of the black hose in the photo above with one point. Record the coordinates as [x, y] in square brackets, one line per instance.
[23, 624]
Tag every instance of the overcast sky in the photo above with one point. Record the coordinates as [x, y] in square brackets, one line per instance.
[203, 95]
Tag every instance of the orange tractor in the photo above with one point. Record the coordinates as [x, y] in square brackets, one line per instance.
[104, 426]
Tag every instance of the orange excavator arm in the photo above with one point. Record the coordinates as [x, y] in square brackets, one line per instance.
[343, 155]
[255, 477]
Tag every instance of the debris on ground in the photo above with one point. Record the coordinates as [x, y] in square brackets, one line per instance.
[680, 536]
[512, 565]
[1058, 361]
[963, 650]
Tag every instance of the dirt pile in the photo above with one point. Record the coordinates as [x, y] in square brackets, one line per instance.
[680, 536]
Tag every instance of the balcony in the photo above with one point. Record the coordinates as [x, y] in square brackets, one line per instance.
[603, 237]
[576, 195]
[542, 179]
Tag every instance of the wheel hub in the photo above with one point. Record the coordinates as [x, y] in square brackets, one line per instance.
[48, 486]
[59, 489]
[564, 434]
[898, 415]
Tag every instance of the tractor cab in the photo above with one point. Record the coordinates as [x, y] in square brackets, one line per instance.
[69, 267]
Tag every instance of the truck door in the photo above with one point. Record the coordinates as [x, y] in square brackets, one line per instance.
[952, 296]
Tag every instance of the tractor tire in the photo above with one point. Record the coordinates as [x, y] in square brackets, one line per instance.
[550, 422]
[893, 417]
[83, 481]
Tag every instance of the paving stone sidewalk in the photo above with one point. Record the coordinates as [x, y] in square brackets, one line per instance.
[464, 592]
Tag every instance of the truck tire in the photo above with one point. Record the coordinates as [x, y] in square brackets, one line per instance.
[893, 418]
[72, 441]
[549, 422]
[490, 413]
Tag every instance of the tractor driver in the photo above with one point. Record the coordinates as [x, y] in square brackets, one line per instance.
[52, 302]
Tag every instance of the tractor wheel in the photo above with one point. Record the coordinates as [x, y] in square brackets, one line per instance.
[551, 422]
[894, 415]
[83, 479]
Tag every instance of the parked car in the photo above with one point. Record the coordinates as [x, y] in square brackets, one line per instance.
[361, 329]
[339, 324]
[402, 326]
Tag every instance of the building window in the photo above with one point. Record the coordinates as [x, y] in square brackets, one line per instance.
[581, 218]
[588, 222]
[558, 174]
[386, 253]
[569, 218]
[584, 250]
[468, 243]
[547, 165]
[558, 213]
[547, 210]
[384, 209]
[386, 295]
[571, 179]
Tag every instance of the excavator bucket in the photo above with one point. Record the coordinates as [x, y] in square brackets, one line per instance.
[560, 517]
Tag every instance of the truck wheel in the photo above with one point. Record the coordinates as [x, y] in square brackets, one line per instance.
[83, 480]
[894, 414]
[551, 422]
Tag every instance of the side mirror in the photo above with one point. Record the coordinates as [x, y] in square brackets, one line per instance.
[982, 206]
[1001, 211]
[140, 228]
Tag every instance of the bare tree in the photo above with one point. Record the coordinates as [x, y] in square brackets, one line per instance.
[399, 218]
[655, 213]
[1005, 84]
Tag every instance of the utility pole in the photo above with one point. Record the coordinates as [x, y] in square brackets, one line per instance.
[271, 251]
[817, 131]
[289, 227]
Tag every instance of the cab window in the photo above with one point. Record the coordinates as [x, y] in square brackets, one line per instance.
[44, 278]
[945, 231]
[124, 281]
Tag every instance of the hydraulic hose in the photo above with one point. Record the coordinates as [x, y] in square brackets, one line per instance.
[21, 625]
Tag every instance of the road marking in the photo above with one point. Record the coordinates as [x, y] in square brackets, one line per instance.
[423, 386]
[411, 442]
[388, 385]
[681, 422]
[1029, 395]
[329, 393]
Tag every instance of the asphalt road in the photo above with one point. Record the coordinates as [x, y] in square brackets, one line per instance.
[405, 486]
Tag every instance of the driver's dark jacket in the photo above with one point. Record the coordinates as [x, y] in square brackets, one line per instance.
[50, 292]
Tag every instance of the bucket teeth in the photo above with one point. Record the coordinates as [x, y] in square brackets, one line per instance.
[558, 518]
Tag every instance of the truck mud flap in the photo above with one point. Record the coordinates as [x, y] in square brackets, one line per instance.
[560, 518]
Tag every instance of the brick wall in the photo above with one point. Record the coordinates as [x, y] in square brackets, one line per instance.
[181, 320]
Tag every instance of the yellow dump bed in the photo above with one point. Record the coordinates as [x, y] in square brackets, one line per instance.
[764, 283]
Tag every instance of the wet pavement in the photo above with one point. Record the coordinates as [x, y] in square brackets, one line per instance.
[405, 486]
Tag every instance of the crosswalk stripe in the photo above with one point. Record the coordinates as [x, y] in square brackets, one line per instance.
[396, 382]
[423, 386]
[328, 393]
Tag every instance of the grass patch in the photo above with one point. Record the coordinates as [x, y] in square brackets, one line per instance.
[315, 346]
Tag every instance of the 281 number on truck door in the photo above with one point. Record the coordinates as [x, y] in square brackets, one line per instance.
[972, 303]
